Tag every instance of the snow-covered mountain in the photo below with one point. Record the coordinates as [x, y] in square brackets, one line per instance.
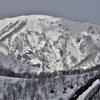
[38, 43]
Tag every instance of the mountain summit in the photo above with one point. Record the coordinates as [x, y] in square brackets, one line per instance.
[38, 43]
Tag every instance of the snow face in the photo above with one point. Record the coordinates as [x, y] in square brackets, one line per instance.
[56, 43]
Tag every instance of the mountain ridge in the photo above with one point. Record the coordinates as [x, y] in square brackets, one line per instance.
[38, 43]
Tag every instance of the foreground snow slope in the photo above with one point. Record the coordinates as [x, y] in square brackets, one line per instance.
[38, 43]
[53, 88]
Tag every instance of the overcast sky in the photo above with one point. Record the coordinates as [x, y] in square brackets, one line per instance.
[79, 10]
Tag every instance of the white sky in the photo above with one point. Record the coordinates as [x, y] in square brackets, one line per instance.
[79, 10]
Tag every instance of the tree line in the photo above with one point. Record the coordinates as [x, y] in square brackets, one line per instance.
[10, 73]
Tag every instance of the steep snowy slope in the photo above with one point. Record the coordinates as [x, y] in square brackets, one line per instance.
[43, 43]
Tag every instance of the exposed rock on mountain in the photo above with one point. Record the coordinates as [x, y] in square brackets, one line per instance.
[43, 43]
